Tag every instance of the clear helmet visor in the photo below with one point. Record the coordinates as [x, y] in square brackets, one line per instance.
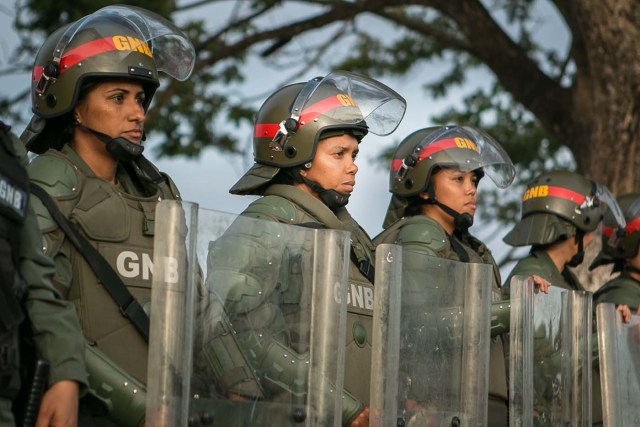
[350, 98]
[467, 148]
[170, 48]
[604, 196]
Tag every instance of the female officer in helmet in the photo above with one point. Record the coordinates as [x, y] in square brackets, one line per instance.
[92, 83]
[560, 211]
[434, 178]
[306, 139]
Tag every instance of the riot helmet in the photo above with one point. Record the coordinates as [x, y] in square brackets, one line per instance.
[620, 243]
[115, 42]
[427, 150]
[559, 204]
[292, 121]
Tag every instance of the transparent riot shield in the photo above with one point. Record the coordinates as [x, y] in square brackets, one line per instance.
[619, 350]
[549, 356]
[247, 321]
[431, 327]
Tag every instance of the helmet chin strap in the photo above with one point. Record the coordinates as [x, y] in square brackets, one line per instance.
[461, 221]
[578, 258]
[120, 148]
[331, 198]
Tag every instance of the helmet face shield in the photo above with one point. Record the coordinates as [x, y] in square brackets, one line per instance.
[343, 99]
[603, 195]
[458, 147]
[379, 106]
[621, 242]
[158, 38]
[114, 42]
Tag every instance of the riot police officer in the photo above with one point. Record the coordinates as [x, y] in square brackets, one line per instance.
[434, 177]
[620, 247]
[560, 210]
[27, 297]
[306, 139]
[92, 83]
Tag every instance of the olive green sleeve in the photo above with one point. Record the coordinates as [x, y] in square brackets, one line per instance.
[55, 326]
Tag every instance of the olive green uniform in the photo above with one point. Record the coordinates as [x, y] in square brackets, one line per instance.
[54, 325]
[424, 235]
[621, 290]
[540, 264]
[118, 220]
[290, 205]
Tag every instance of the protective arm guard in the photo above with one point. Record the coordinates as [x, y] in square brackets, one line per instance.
[280, 369]
[122, 395]
[500, 317]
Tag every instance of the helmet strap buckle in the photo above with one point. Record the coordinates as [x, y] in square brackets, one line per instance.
[287, 128]
[49, 73]
[407, 163]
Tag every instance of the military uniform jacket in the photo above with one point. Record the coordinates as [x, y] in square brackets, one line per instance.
[621, 290]
[118, 220]
[424, 235]
[540, 264]
[290, 205]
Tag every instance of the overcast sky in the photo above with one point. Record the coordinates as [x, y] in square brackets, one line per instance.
[208, 179]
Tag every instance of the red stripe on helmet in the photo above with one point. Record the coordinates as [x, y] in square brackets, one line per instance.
[267, 130]
[321, 107]
[36, 73]
[633, 225]
[87, 50]
[607, 231]
[80, 53]
[566, 194]
[443, 144]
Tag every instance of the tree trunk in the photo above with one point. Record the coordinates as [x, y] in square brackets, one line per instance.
[606, 92]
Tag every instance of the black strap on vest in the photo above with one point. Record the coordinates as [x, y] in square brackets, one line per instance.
[458, 249]
[129, 306]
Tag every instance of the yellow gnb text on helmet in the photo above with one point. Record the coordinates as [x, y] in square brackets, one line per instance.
[537, 191]
[131, 43]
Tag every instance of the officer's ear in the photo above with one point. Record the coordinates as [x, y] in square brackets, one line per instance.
[424, 196]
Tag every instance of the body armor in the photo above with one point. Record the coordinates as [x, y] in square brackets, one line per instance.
[289, 205]
[120, 225]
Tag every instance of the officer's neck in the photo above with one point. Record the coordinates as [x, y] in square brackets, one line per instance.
[561, 252]
[94, 153]
[444, 219]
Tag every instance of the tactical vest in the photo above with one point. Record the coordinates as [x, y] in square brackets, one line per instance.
[14, 193]
[121, 227]
[309, 210]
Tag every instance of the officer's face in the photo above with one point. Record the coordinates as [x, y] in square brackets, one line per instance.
[333, 166]
[456, 189]
[114, 108]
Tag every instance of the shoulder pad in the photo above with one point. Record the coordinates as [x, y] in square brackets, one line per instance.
[58, 178]
[54, 174]
[425, 234]
[274, 208]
